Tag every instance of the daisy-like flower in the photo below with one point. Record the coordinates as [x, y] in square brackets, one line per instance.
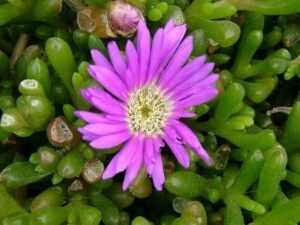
[144, 95]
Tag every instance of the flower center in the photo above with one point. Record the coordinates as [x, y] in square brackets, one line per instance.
[148, 110]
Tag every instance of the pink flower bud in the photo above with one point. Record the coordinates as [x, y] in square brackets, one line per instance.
[123, 18]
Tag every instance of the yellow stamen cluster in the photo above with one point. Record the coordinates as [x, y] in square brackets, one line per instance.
[147, 110]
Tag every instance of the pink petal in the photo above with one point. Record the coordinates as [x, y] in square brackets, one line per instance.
[182, 92]
[117, 59]
[169, 26]
[178, 150]
[87, 136]
[110, 141]
[178, 60]
[132, 72]
[135, 165]
[122, 159]
[90, 117]
[186, 71]
[115, 118]
[158, 143]
[105, 128]
[143, 49]
[150, 155]
[103, 101]
[206, 94]
[182, 113]
[110, 81]
[156, 54]
[172, 39]
[193, 79]
[192, 140]
[100, 60]
[158, 175]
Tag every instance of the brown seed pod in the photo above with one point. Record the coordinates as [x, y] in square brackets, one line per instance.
[94, 21]
[61, 133]
[92, 171]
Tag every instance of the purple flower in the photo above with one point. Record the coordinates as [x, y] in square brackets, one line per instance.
[144, 95]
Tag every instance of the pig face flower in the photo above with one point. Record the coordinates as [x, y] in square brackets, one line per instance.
[145, 94]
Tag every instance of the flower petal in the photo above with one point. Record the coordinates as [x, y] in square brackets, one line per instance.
[186, 72]
[143, 49]
[158, 175]
[156, 54]
[169, 26]
[115, 118]
[110, 81]
[193, 79]
[100, 60]
[88, 136]
[132, 72]
[90, 117]
[103, 101]
[172, 39]
[178, 150]
[105, 128]
[135, 165]
[205, 95]
[182, 113]
[110, 141]
[150, 155]
[122, 159]
[182, 93]
[191, 140]
[117, 59]
[178, 60]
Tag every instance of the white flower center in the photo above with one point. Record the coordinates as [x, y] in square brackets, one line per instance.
[148, 109]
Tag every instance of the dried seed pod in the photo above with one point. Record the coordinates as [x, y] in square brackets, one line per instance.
[76, 185]
[222, 156]
[60, 132]
[92, 171]
[94, 21]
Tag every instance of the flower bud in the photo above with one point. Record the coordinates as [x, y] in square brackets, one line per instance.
[123, 18]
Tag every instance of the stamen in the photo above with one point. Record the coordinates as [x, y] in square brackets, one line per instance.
[148, 109]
